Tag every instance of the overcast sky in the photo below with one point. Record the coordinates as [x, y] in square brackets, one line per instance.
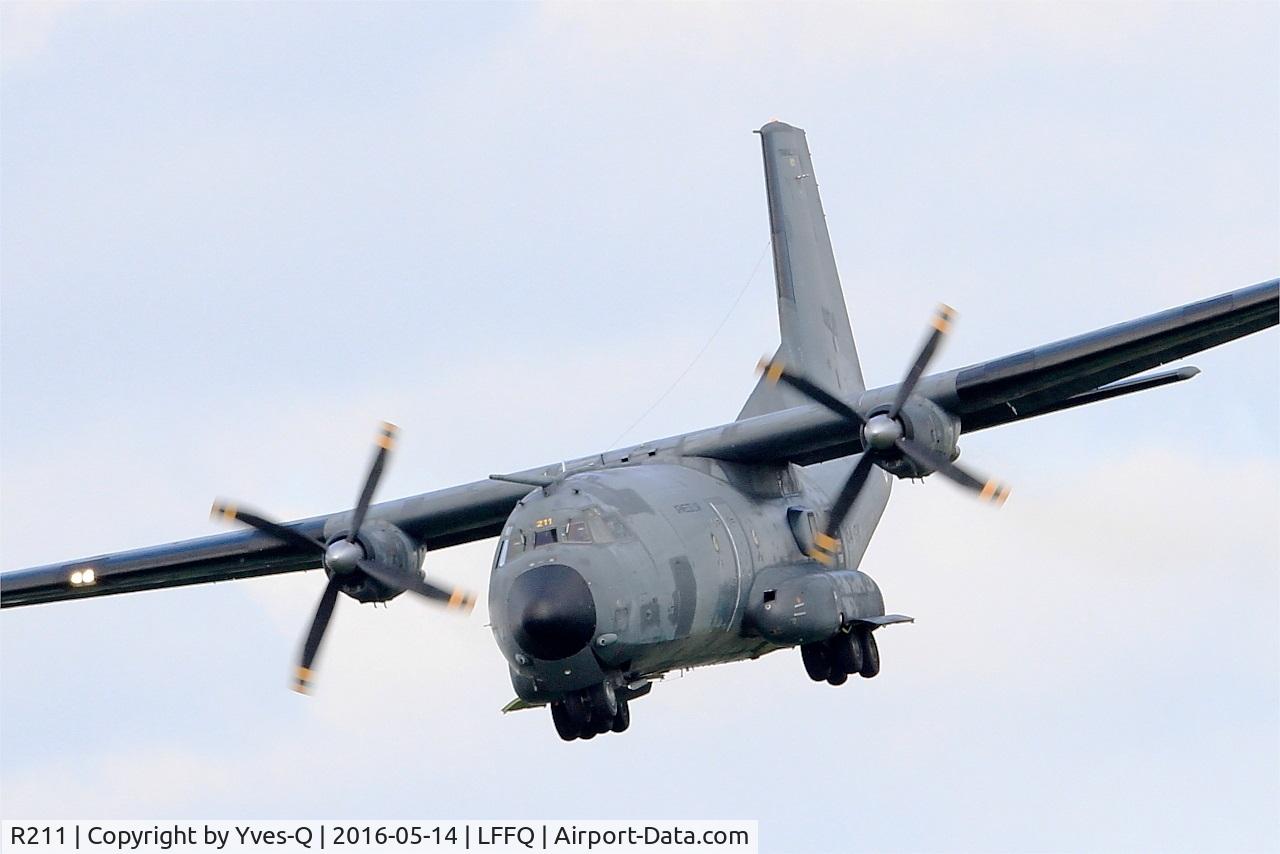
[234, 237]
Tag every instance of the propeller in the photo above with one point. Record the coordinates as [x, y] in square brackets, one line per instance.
[883, 435]
[345, 559]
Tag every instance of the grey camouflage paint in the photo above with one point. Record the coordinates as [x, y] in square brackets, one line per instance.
[696, 545]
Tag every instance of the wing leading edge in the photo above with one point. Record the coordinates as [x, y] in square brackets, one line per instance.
[1072, 372]
[436, 519]
[1042, 379]
[1067, 373]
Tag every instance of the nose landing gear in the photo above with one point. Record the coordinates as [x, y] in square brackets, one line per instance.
[595, 711]
[836, 659]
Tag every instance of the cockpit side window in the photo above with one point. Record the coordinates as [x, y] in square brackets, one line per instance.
[576, 531]
[511, 547]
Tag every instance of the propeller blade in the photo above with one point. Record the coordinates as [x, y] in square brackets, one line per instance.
[455, 598]
[302, 682]
[943, 317]
[775, 372]
[988, 490]
[386, 438]
[827, 544]
[287, 535]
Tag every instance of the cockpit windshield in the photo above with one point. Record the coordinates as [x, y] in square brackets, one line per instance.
[584, 527]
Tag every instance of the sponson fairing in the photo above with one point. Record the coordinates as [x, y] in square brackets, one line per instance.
[672, 554]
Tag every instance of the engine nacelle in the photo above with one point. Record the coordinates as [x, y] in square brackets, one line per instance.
[796, 605]
[391, 547]
[927, 424]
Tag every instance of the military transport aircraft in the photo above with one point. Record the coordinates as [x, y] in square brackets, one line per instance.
[714, 546]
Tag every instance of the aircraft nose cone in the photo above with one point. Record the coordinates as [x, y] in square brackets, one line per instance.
[552, 610]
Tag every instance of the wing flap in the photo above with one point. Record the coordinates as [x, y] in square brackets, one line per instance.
[1038, 379]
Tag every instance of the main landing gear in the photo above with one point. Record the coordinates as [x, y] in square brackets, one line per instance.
[592, 712]
[836, 659]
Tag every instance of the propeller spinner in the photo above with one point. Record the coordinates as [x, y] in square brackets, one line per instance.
[884, 437]
[345, 560]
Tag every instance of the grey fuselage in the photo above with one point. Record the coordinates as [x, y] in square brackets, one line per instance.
[678, 557]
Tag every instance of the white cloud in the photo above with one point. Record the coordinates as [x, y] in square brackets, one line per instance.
[27, 27]
[818, 34]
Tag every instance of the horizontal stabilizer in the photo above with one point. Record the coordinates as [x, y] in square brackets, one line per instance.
[518, 705]
[884, 620]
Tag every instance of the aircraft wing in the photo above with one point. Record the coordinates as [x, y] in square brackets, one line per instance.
[437, 519]
[1068, 373]
[1084, 369]
[1088, 367]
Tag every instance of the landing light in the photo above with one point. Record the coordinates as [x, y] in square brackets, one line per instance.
[81, 577]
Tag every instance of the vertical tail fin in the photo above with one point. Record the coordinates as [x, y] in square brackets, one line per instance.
[816, 337]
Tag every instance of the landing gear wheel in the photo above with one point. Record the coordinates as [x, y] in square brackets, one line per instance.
[837, 677]
[588, 735]
[816, 661]
[579, 712]
[846, 654]
[566, 726]
[602, 701]
[870, 655]
[622, 718]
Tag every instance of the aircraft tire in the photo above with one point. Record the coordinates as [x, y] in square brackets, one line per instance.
[846, 653]
[870, 655]
[579, 712]
[837, 677]
[602, 701]
[622, 718]
[566, 727]
[816, 661]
